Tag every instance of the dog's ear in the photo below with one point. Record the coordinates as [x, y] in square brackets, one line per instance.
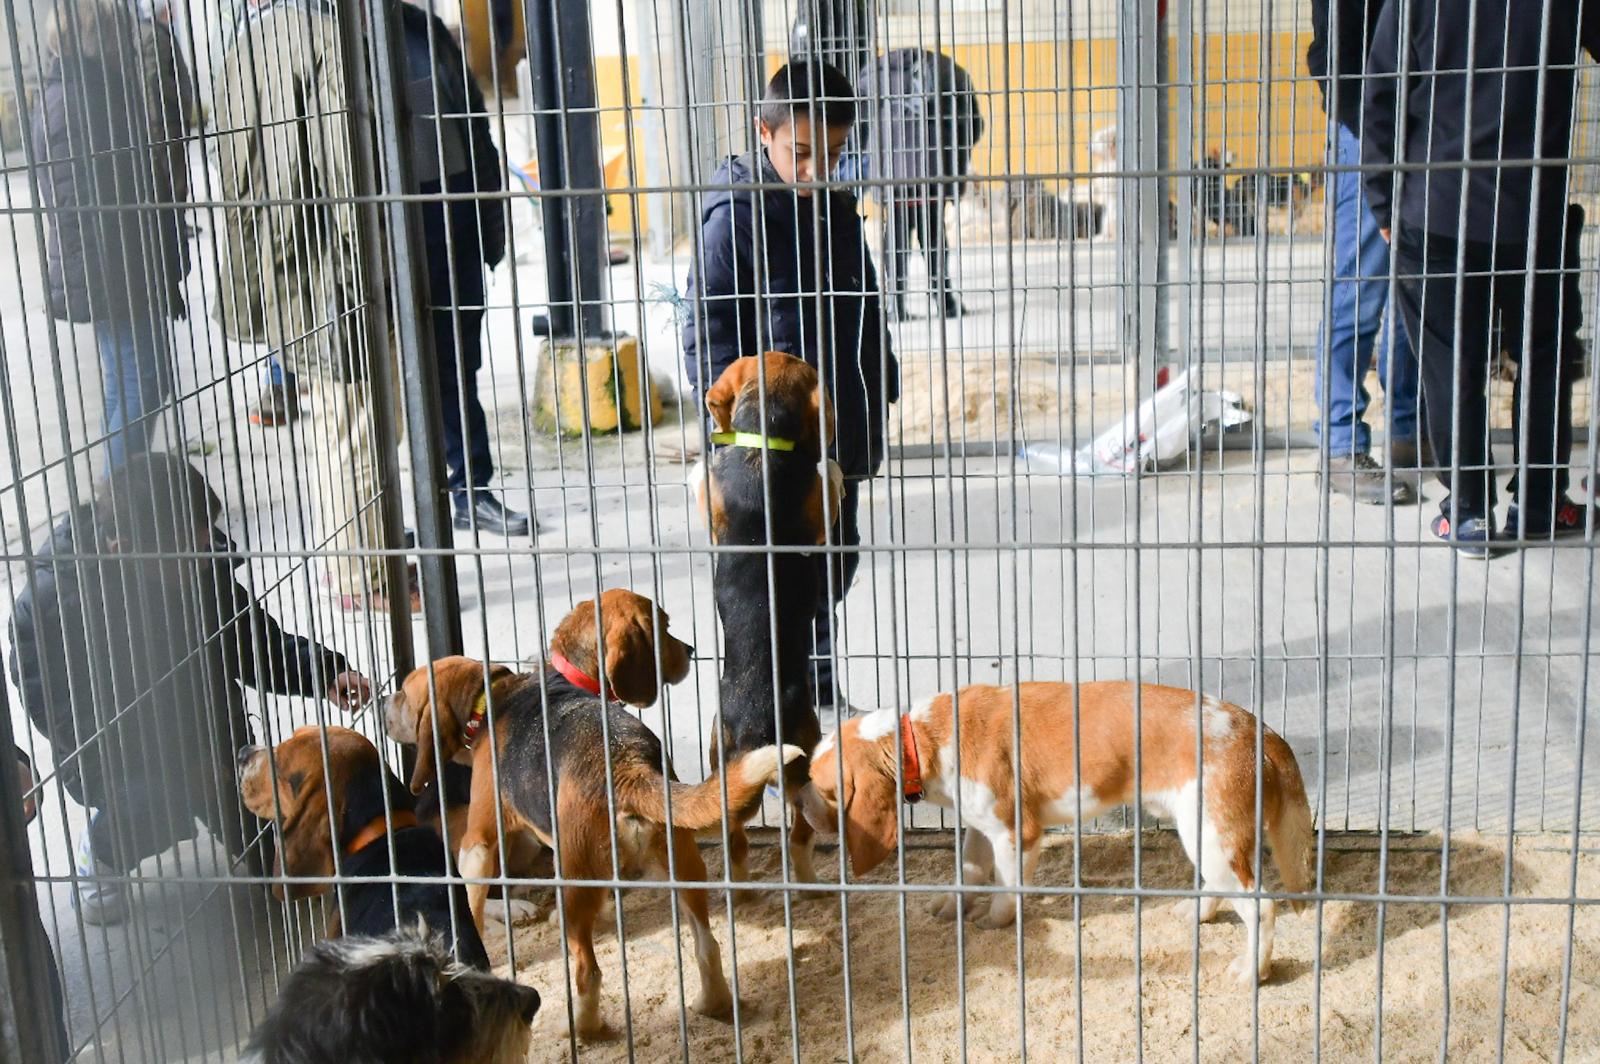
[724, 394]
[871, 807]
[818, 425]
[630, 657]
[449, 739]
[305, 843]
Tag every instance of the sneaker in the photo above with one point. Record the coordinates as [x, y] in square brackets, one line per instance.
[1364, 480]
[99, 897]
[1474, 537]
[1569, 522]
[278, 407]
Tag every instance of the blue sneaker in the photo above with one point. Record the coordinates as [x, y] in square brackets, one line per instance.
[1473, 537]
[1569, 521]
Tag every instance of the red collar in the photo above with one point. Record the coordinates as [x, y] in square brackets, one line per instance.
[575, 676]
[911, 764]
[470, 730]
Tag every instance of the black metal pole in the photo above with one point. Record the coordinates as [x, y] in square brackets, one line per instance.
[364, 179]
[567, 137]
[27, 1013]
[441, 599]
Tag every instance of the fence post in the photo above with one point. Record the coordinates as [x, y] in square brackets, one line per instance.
[567, 137]
[1141, 155]
[27, 1014]
[363, 179]
[441, 599]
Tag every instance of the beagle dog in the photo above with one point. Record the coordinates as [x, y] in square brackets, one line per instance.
[872, 753]
[292, 787]
[392, 998]
[503, 731]
[787, 466]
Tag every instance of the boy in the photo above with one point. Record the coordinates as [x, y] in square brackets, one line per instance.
[786, 268]
[1470, 242]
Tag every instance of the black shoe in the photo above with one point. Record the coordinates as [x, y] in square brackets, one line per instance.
[897, 309]
[953, 307]
[489, 514]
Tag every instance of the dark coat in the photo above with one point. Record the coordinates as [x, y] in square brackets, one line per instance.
[1337, 55]
[141, 663]
[739, 310]
[919, 120]
[1439, 128]
[108, 132]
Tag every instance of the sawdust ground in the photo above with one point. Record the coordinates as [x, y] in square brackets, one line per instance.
[1117, 1004]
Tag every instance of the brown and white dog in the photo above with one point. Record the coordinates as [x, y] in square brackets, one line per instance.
[765, 688]
[1218, 830]
[504, 733]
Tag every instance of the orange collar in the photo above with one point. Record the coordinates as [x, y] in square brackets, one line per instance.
[378, 828]
[911, 764]
[575, 676]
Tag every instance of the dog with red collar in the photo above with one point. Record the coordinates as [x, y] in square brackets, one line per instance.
[878, 761]
[532, 736]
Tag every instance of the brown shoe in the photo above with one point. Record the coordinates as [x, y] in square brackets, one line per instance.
[378, 602]
[1364, 480]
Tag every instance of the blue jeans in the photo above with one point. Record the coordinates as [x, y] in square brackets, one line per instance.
[136, 374]
[1360, 294]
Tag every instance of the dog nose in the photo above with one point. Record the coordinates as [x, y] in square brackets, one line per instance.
[245, 754]
[530, 1004]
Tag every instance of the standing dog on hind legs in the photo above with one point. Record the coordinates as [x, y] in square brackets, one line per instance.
[785, 464]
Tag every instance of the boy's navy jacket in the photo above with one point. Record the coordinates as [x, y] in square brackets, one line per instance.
[1515, 59]
[736, 313]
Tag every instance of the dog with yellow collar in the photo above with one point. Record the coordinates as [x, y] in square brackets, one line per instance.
[532, 736]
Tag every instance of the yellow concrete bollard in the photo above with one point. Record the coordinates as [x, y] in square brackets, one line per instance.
[604, 373]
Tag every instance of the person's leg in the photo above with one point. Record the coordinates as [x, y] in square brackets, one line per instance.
[280, 398]
[936, 250]
[1427, 297]
[1358, 291]
[897, 222]
[1538, 383]
[137, 374]
[843, 565]
[343, 465]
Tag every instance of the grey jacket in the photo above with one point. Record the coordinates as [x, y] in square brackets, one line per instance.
[289, 272]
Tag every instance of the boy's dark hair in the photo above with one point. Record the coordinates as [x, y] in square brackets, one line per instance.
[801, 84]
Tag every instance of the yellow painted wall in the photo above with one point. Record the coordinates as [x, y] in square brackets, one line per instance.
[1058, 93]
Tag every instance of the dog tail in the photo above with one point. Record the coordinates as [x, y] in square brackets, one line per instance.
[698, 807]
[1291, 828]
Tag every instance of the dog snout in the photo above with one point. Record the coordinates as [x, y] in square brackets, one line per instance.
[246, 753]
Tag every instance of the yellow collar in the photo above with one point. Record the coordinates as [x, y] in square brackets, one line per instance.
[752, 440]
[469, 731]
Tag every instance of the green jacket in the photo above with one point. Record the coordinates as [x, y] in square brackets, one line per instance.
[290, 270]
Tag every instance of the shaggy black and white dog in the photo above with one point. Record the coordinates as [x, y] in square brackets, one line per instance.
[396, 999]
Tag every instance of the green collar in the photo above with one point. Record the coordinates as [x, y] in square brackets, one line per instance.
[753, 440]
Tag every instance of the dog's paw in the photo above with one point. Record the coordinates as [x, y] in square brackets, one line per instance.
[521, 911]
[1199, 910]
[998, 916]
[596, 1032]
[717, 1004]
[946, 906]
[1246, 972]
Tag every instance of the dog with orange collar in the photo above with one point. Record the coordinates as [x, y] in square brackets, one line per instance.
[531, 737]
[854, 772]
[373, 829]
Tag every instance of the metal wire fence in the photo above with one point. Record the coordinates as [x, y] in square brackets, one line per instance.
[297, 243]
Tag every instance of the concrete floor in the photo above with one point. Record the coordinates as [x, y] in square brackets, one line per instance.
[1416, 688]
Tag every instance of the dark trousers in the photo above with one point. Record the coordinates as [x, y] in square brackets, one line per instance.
[922, 221]
[468, 459]
[844, 565]
[1492, 280]
[149, 815]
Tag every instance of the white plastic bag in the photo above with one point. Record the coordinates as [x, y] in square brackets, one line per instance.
[1155, 434]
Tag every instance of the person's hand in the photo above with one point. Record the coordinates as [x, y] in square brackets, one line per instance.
[350, 691]
[30, 804]
[1385, 233]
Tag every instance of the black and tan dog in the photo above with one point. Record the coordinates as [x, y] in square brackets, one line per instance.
[293, 787]
[506, 730]
[766, 688]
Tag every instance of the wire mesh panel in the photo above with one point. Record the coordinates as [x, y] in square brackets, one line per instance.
[1152, 579]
